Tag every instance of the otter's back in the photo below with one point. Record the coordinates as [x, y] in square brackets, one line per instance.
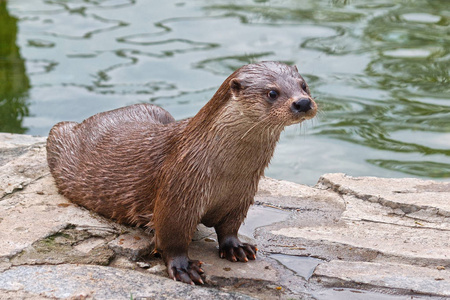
[109, 162]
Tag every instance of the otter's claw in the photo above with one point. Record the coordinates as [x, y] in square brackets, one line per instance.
[233, 249]
[183, 269]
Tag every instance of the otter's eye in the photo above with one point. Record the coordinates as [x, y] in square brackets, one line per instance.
[304, 86]
[273, 95]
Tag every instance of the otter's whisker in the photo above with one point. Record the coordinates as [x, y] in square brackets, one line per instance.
[254, 125]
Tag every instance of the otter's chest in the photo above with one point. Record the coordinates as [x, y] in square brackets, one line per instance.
[229, 193]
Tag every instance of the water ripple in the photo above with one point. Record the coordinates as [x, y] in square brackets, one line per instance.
[227, 65]
[171, 46]
[378, 69]
[417, 168]
[81, 27]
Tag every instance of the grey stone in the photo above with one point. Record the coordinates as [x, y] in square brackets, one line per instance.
[409, 195]
[220, 270]
[430, 281]
[97, 282]
[399, 243]
[367, 234]
[87, 245]
[133, 245]
[296, 196]
[14, 141]
[16, 171]
[29, 216]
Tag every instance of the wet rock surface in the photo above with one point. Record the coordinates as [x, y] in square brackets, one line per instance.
[345, 238]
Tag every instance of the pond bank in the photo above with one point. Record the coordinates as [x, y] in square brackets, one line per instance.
[345, 238]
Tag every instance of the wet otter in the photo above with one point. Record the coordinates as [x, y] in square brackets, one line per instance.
[138, 166]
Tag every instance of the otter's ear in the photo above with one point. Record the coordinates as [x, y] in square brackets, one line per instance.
[295, 68]
[235, 86]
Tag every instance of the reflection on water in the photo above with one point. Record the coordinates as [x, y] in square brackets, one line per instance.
[14, 83]
[378, 69]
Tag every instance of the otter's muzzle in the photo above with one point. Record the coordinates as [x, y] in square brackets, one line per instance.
[301, 105]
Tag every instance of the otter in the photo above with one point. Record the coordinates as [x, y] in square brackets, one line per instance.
[138, 166]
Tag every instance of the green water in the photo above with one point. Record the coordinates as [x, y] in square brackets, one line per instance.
[379, 71]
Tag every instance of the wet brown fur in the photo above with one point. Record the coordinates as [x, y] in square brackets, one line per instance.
[138, 166]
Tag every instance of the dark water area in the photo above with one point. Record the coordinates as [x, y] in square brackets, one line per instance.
[379, 71]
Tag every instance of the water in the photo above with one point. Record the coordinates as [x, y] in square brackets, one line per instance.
[302, 265]
[378, 69]
[354, 294]
[259, 216]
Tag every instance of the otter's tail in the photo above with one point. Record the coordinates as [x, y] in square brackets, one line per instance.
[60, 143]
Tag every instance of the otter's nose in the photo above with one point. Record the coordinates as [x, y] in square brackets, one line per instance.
[301, 105]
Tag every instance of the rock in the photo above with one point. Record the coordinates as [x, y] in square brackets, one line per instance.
[221, 272]
[404, 278]
[87, 245]
[291, 195]
[97, 282]
[410, 196]
[133, 245]
[158, 268]
[16, 172]
[419, 246]
[379, 230]
[143, 265]
[28, 217]
[356, 235]
[64, 247]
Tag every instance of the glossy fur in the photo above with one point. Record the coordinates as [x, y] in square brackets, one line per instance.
[138, 166]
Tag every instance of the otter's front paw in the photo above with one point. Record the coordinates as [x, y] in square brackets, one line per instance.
[233, 249]
[183, 269]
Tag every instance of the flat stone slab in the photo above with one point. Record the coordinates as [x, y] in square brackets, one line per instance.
[98, 282]
[406, 244]
[38, 213]
[429, 281]
[217, 270]
[291, 195]
[406, 194]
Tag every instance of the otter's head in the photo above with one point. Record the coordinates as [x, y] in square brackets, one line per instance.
[273, 92]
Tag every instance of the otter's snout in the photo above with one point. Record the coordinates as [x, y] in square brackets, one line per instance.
[301, 105]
